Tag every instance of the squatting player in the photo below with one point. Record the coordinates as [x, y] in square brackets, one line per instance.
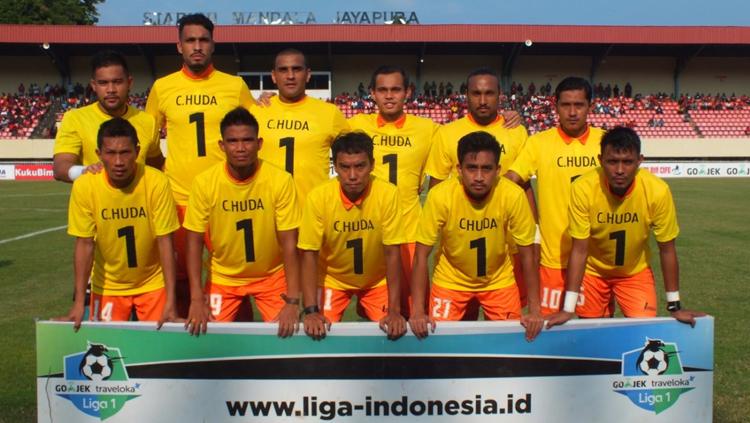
[472, 216]
[557, 156]
[76, 143]
[482, 98]
[191, 103]
[297, 129]
[251, 209]
[612, 210]
[123, 219]
[401, 144]
[350, 239]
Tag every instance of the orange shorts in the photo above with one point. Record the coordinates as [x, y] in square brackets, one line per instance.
[498, 304]
[372, 303]
[225, 300]
[118, 308]
[636, 295]
[407, 262]
[551, 288]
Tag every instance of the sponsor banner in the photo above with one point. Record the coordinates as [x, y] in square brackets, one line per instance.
[7, 172]
[698, 169]
[33, 172]
[619, 370]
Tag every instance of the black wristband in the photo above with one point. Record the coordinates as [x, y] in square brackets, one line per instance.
[673, 306]
[291, 301]
[310, 309]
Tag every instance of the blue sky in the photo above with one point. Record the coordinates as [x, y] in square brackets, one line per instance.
[582, 12]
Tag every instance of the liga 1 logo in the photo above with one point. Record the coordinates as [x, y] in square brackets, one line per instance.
[654, 377]
[97, 381]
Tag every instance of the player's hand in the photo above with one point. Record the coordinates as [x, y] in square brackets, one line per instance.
[93, 168]
[559, 318]
[198, 317]
[687, 316]
[75, 315]
[533, 322]
[511, 118]
[168, 315]
[288, 319]
[419, 324]
[393, 324]
[316, 325]
[264, 100]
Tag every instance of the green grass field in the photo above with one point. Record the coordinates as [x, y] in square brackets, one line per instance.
[36, 281]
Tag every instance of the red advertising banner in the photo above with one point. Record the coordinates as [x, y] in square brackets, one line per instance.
[37, 172]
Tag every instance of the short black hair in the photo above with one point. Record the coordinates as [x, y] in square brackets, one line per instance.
[104, 58]
[387, 70]
[621, 138]
[484, 70]
[195, 19]
[353, 143]
[116, 127]
[238, 117]
[475, 142]
[573, 83]
[290, 52]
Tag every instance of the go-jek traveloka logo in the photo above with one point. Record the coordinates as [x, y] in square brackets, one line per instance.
[97, 381]
[653, 376]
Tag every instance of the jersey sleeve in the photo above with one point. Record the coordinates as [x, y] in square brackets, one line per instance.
[393, 233]
[246, 97]
[431, 220]
[339, 125]
[578, 211]
[665, 217]
[288, 214]
[439, 161]
[152, 107]
[198, 210]
[527, 163]
[311, 228]
[154, 146]
[163, 206]
[68, 140]
[521, 222]
[81, 220]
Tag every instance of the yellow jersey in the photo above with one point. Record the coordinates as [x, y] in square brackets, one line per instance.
[618, 227]
[401, 149]
[473, 253]
[125, 223]
[556, 159]
[350, 235]
[243, 217]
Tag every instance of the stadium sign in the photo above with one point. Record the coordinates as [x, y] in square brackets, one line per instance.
[646, 370]
[288, 17]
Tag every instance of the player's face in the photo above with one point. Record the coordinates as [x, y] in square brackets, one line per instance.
[118, 156]
[479, 173]
[620, 168]
[290, 74]
[389, 94]
[196, 47]
[240, 143]
[482, 98]
[354, 173]
[573, 109]
[112, 86]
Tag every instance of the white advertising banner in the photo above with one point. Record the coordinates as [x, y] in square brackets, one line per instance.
[614, 370]
[698, 169]
[7, 172]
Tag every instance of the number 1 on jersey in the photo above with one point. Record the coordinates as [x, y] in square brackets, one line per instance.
[392, 161]
[200, 132]
[247, 227]
[128, 232]
[619, 237]
[288, 143]
[481, 245]
[356, 245]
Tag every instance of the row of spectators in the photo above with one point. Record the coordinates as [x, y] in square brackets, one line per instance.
[19, 114]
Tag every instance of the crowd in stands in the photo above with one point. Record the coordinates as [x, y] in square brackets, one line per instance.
[650, 115]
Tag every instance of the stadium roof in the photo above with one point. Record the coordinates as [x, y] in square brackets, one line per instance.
[457, 33]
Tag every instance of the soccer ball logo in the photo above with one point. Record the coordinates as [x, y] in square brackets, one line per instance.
[96, 364]
[653, 361]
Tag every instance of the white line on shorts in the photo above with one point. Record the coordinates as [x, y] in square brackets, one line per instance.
[29, 235]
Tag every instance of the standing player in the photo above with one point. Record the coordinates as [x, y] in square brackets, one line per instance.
[351, 239]
[557, 156]
[472, 216]
[483, 98]
[129, 211]
[612, 210]
[76, 143]
[191, 103]
[251, 209]
[401, 145]
[298, 130]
